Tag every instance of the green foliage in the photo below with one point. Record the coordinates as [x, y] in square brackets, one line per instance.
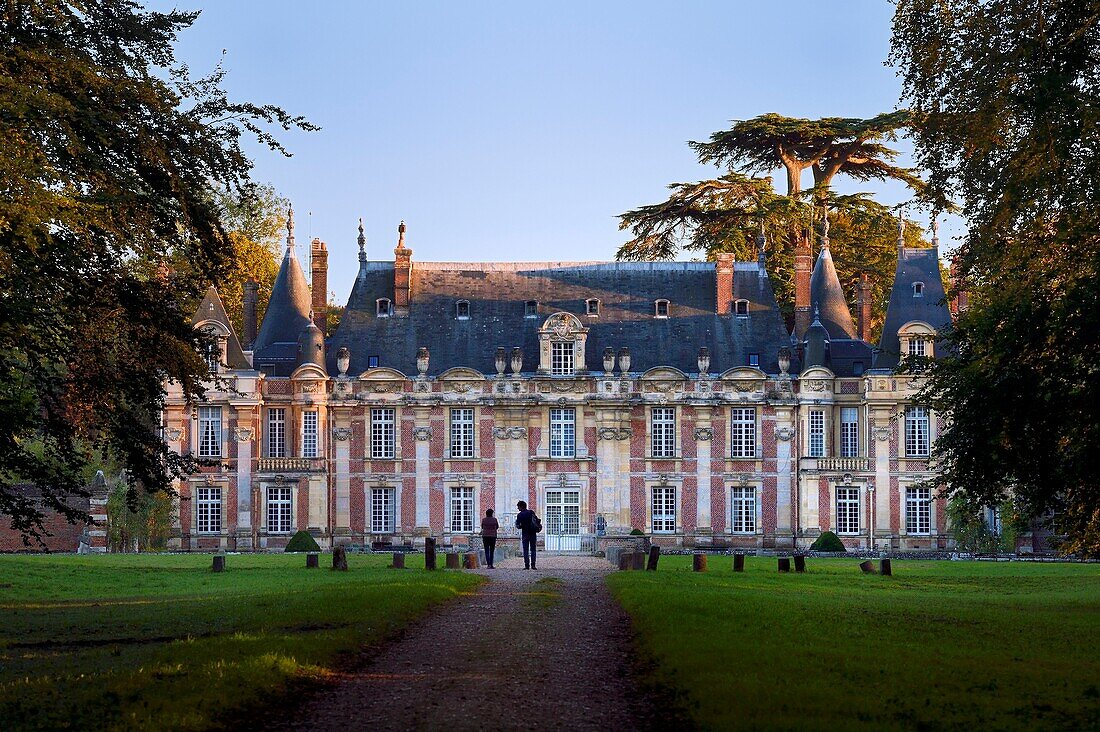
[828, 542]
[110, 153]
[1007, 101]
[872, 634]
[637, 532]
[302, 542]
[974, 534]
[107, 640]
[137, 521]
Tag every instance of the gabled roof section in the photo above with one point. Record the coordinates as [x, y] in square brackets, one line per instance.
[276, 346]
[827, 296]
[915, 265]
[211, 310]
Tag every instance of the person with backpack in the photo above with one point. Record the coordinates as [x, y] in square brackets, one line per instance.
[529, 526]
[489, 526]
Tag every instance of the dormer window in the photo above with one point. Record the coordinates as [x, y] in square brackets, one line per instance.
[384, 308]
[561, 358]
[918, 289]
[754, 360]
[741, 307]
[592, 306]
[660, 308]
[531, 309]
[462, 309]
[213, 358]
[918, 346]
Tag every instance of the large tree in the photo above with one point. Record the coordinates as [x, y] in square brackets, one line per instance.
[110, 152]
[1006, 96]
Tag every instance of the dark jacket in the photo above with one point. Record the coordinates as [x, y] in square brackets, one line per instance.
[525, 521]
[489, 526]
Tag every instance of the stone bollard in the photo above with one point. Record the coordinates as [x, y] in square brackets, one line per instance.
[469, 560]
[429, 553]
[637, 560]
[885, 568]
[654, 556]
[867, 566]
[219, 563]
[312, 561]
[452, 560]
[626, 560]
[738, 562]
[799, 563]
[784, 564]
[398, 560]
[340, 559]
[698, 562]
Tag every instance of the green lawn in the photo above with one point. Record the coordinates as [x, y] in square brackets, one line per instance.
[102, 642]
[941, 645]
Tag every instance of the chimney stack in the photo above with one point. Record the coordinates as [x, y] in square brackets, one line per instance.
[251, 288]
[318, 257]
[402, 274]
[864, 301]
[723, 279]
[802, 266]
[960, 298]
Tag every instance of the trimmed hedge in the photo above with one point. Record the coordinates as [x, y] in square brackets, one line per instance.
[827, 542]
[302, 542]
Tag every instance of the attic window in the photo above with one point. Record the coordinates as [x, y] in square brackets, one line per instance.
[754, 360]
[531, 309]
[741, 307]
[592, 306]
[918, 289]
[384, 307]
[462, 309]
[372, 362]
[660, 309]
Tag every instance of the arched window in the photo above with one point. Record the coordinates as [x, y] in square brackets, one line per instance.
[462, 309]
[384, 307]
[918, 289]
[741, 307]
[660, 308]
[531, 309]
[591, 306]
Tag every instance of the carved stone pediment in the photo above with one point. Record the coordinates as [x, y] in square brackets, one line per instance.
[422, 433]
[510, 433]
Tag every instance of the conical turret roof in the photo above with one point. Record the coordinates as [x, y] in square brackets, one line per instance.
[276, 346]
[828, 296]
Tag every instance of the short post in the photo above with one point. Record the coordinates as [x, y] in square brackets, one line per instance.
[698, 562]
[799, 563]
[452, 560]
[654, 556]
[885, 568]
[219, 563]
[398, 560]
[738, 562]
[626, 559]
[429, 553]
[638, 560]
[867, 566]
[340, 559]
[469, 560]
[784, 564]
[312, 561]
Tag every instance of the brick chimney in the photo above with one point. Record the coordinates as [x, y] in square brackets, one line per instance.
[251, 289]
[402, 274]
[802, 266]
[318, 258]
[960, 298]
[864, 301]
[723, 282]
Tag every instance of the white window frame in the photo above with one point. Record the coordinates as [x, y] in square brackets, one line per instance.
[280, 509]
[918, 511]
[382, 507]
[815, 423]
[918, 346]
[562, 358]
[848, 510]
[849, 432]
[311, 434]
[383, 307]
[662, 430]
[462, 433]
[462, 509]
[743, 507]
[741, 308]
[743, 432]
[210, 432]
[592, 307]
[276, 432]
[531, 309]
[917, 422]
[213, 357]
[462, 310]
[563, 432]
[383, 433]
[662, 504]
[659, 305]
[208, 509]
[918, 289]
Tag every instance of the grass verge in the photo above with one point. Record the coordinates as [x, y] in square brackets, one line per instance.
[941, 645]
[146, 641]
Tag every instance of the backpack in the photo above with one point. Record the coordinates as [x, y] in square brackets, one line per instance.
[536, 523]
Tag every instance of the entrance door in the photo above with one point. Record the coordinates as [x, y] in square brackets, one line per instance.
[563, 520]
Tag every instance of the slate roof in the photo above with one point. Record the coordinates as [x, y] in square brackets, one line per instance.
[497, 293]
[827, 296]
[276, 346]
[914, 265]
[211, 308]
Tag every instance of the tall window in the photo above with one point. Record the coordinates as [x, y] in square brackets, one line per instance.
[276, 432]
[462, 510]
[563, 433]
[743, 434]
[209, 506]
[309, 434]
[918, 510]
[382, 436]
[382, 510]
[664, 509]
[462, 432]
[817, 433]
[213, 357]
[743, 509]
[918, 346]
[210, 432]
[847, 510]
[916, 432]
[849, 432]
[663, 431]
[561, 358]
[278, 510]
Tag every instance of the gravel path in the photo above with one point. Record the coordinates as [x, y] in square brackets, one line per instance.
[545, 649]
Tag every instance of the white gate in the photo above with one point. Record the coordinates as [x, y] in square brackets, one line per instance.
[563, 519]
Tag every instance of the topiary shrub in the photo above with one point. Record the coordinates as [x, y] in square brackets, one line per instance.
[302, 542]
[827, 542]
[637, 532]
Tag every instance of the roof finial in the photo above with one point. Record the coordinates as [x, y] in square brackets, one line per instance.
[825, 232]
[761, 241]
[290, 228]
[362, 242]
[901, 233]
[401, 235]
[935, 231]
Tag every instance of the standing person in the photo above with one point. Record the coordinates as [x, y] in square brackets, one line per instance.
[489, 526]
[528, 528]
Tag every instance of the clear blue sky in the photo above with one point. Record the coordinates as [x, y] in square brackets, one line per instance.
[517, 131]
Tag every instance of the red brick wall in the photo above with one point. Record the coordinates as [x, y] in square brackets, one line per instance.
[64, 537]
